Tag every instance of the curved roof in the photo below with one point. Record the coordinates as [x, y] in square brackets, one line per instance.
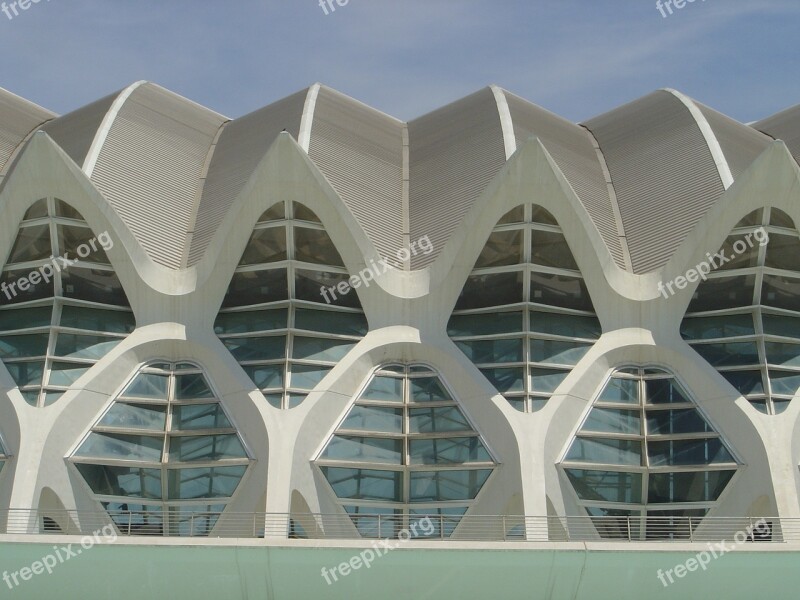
[645, 172]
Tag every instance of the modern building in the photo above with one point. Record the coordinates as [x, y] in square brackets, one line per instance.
[252, 347]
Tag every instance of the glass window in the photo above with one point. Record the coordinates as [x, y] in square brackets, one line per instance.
[561, 291]
[32, 243]
[443, 486]
[315, 246]
[502, 248]
[257, 287]
[199, 416]
[550, 249]
[432, 420]
[688, 452]
[93, 285]
[135, 416]
[557, 352]
[122, 447]
[365, 449]
[374, 418]
[265, 246]
[492, 351]
[339, 323]
[718, 293]
[606, 486]
[611, 420]
[365, 484]
[257, 348]
[385, 389]
[205, 447]
[606, 451]
[485, 324]
[251, 321]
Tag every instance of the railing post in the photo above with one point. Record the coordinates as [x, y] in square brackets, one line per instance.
[691, 533]
[504, 528]
[130, 521]
[628, 521]
[191, 525]
[380, 533]
[441, 526]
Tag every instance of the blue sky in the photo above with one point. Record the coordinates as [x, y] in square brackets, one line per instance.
[577, 58]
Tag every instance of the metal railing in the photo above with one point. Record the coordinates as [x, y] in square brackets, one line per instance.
[484, 528]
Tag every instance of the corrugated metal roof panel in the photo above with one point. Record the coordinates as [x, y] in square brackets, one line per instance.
[240, 148]
[150, 165]
[360, 152]
[454, 153]
[663, 173]
[740, 144]
[76, 131]
[572, 150]
[18, 118]
[784, 126]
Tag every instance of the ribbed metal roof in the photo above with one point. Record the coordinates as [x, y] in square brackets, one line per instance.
[572, 150]
[646, 172]
[151, 164]
[240, 148]
[18, 119]
[75, 131]
[785, 126]
[360, 152]
[740, 144]
[663, 172]
[455, 152]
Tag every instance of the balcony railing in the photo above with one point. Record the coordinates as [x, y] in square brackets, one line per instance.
[483, 528]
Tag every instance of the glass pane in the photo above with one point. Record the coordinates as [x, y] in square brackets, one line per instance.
[723, 292]
[265, 246]
[365, 484]
[551, 250]
[122, 481]
[739, 253]
[374, 418]
[427, 389]
[606, 451]
[266, 376]
[606, 486]
[783, 252]
[664, 391]
[781, 292]
[24, 318]
[125, 447]
[515, 215]
[315, 246]
[32, 243]
[784, 382]
[320, 349]
[16, 287]
[148, 385]
[205, 447]
[787, 355]
[322, 288]
[199, 416]
[22, 346]
[610, 420]
[492, 351]
[746, 382]
[688, 452]
[442, 486]
[90, 347]
[773, 325]
[303, 213]
[729, 355]
[561, 291]
[751, 219]
[621, 390]
[94, 285]
[65, 374]
[257, 287]
[547, 380]
[340, 323]
[447, 451]
[432, 420]
[135, 416]
[94, 319]
[565, 325]
[542, 216]
[251, 321]
[669, 422]
[506, 380]
[706, 328]
[484, 324]
[364, 449]
[26, 373]
[557, 352]
[205, 482]
[81, 243]
[261, 348]
[37, 210]
[275, 212]
[705, 486]
[385, 389]
[307, 377]
[502, 248]
[66, 211]
[778, 218]
[495, 289]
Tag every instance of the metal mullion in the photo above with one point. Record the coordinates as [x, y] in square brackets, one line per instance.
[526, 313]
